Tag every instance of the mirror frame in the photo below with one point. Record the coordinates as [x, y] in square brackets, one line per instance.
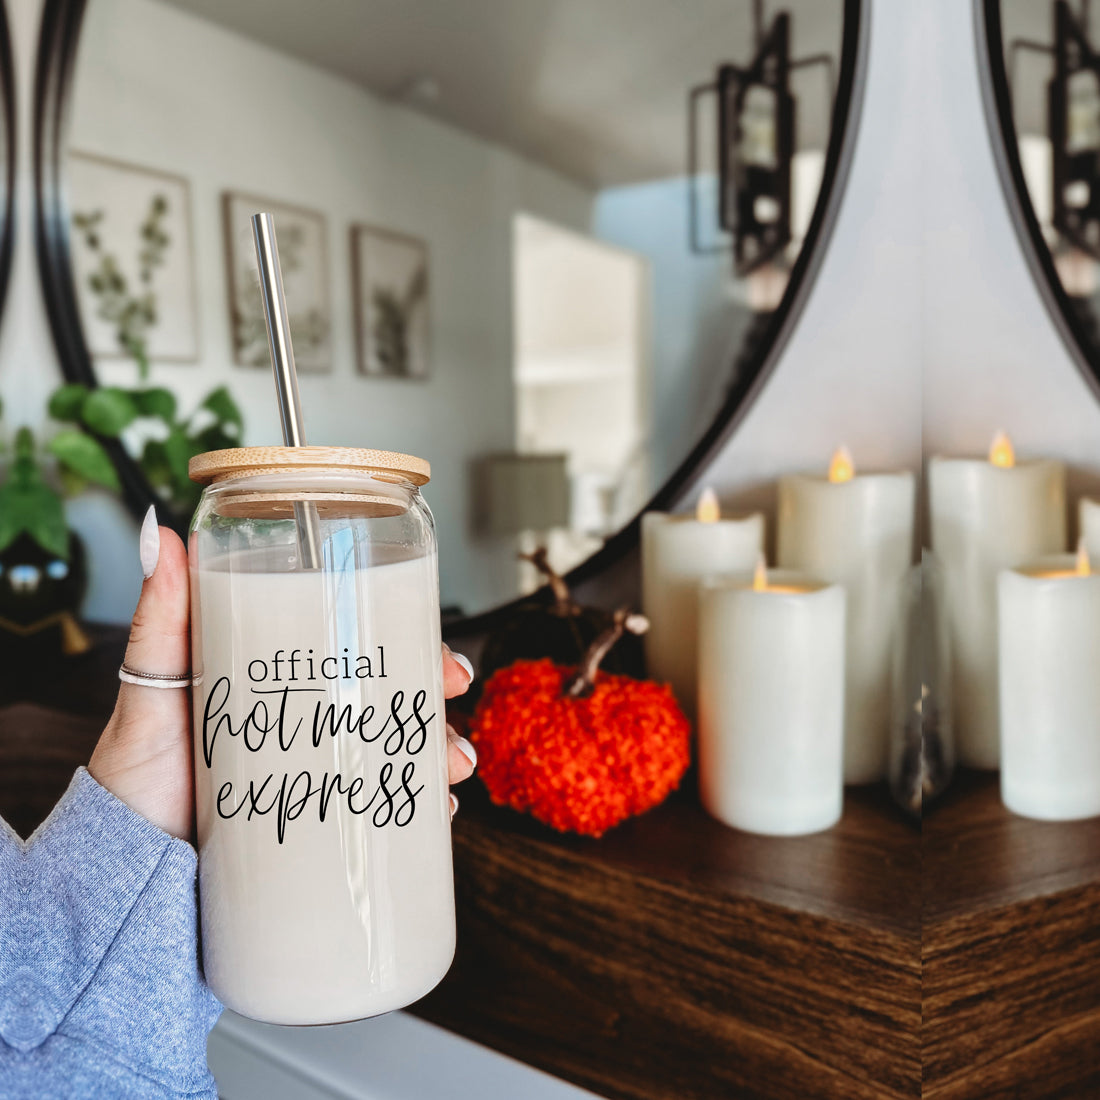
[993, 74]
[8, 138]
[58, 44]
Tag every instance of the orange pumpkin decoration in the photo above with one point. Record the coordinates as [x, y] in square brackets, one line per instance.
[580, 749]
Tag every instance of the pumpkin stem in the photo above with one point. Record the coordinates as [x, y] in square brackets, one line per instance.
[563, 598]
[583, 682]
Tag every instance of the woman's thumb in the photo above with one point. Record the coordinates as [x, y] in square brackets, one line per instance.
[144, 755]
[160, 634]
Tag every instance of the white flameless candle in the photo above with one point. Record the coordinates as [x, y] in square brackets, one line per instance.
[771, 702]
[1088, 526]
[987, 516]
[858, 532]
[678, 552]
[1050, 692]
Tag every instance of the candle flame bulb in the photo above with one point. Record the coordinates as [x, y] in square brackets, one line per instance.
[842, 468]
[707, 510]
[760, 575]
[1001, 452]
[1083, 568]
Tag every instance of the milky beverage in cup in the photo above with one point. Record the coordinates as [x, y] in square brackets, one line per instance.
[320, 747]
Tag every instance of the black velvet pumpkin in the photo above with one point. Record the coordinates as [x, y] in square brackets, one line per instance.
[39, 596]
[551, 624]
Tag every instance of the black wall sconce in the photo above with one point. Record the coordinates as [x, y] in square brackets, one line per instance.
[755, 142]
[1073, 124]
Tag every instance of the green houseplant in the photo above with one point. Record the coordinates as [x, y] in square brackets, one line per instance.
[42, 562]
[42, 571]
[172, 440]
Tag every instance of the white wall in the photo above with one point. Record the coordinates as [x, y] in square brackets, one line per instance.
[697, 323]
[579, 367]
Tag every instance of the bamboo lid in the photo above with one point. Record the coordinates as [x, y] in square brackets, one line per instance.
[215, 466]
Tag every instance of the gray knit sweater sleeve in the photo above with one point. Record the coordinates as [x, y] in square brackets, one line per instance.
[101, 994]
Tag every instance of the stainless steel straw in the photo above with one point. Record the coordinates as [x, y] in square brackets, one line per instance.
[286, 377]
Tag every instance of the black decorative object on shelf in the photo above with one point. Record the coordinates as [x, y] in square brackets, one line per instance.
[561, 630]
[40, 594]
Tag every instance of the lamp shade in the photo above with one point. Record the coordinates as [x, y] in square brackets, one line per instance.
[521, 492]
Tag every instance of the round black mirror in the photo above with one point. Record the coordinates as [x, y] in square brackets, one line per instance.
[561, 281]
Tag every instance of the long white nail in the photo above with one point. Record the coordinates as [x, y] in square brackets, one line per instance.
[467, 750]
[465, 663]
[149, 542]
[454, 806]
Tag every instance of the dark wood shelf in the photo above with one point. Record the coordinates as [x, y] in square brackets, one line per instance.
[1010, 951]
[51, 715]
[672, 958]
[677, 958]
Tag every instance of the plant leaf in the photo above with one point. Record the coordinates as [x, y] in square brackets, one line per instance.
[72, 484]
[215, 438]
[67, 401]
[179, 449]
[108, 410]
[48, 527]
[24, 448]
[10, 528]
[157, 402]
[154, 463]
[84, 456]
[37, 511]
[222, 405]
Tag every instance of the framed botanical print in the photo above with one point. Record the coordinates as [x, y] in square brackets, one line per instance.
[303, 256]
[133, 261]
[390, 287]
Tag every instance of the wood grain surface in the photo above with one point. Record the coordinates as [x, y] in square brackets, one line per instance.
[678, 958]
[51, 715]
[40, 748]
[1010, 952]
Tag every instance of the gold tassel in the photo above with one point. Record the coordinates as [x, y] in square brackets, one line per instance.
[73, 638]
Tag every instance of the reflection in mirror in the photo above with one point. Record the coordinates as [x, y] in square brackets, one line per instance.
[535, 242]
[1052, 69]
